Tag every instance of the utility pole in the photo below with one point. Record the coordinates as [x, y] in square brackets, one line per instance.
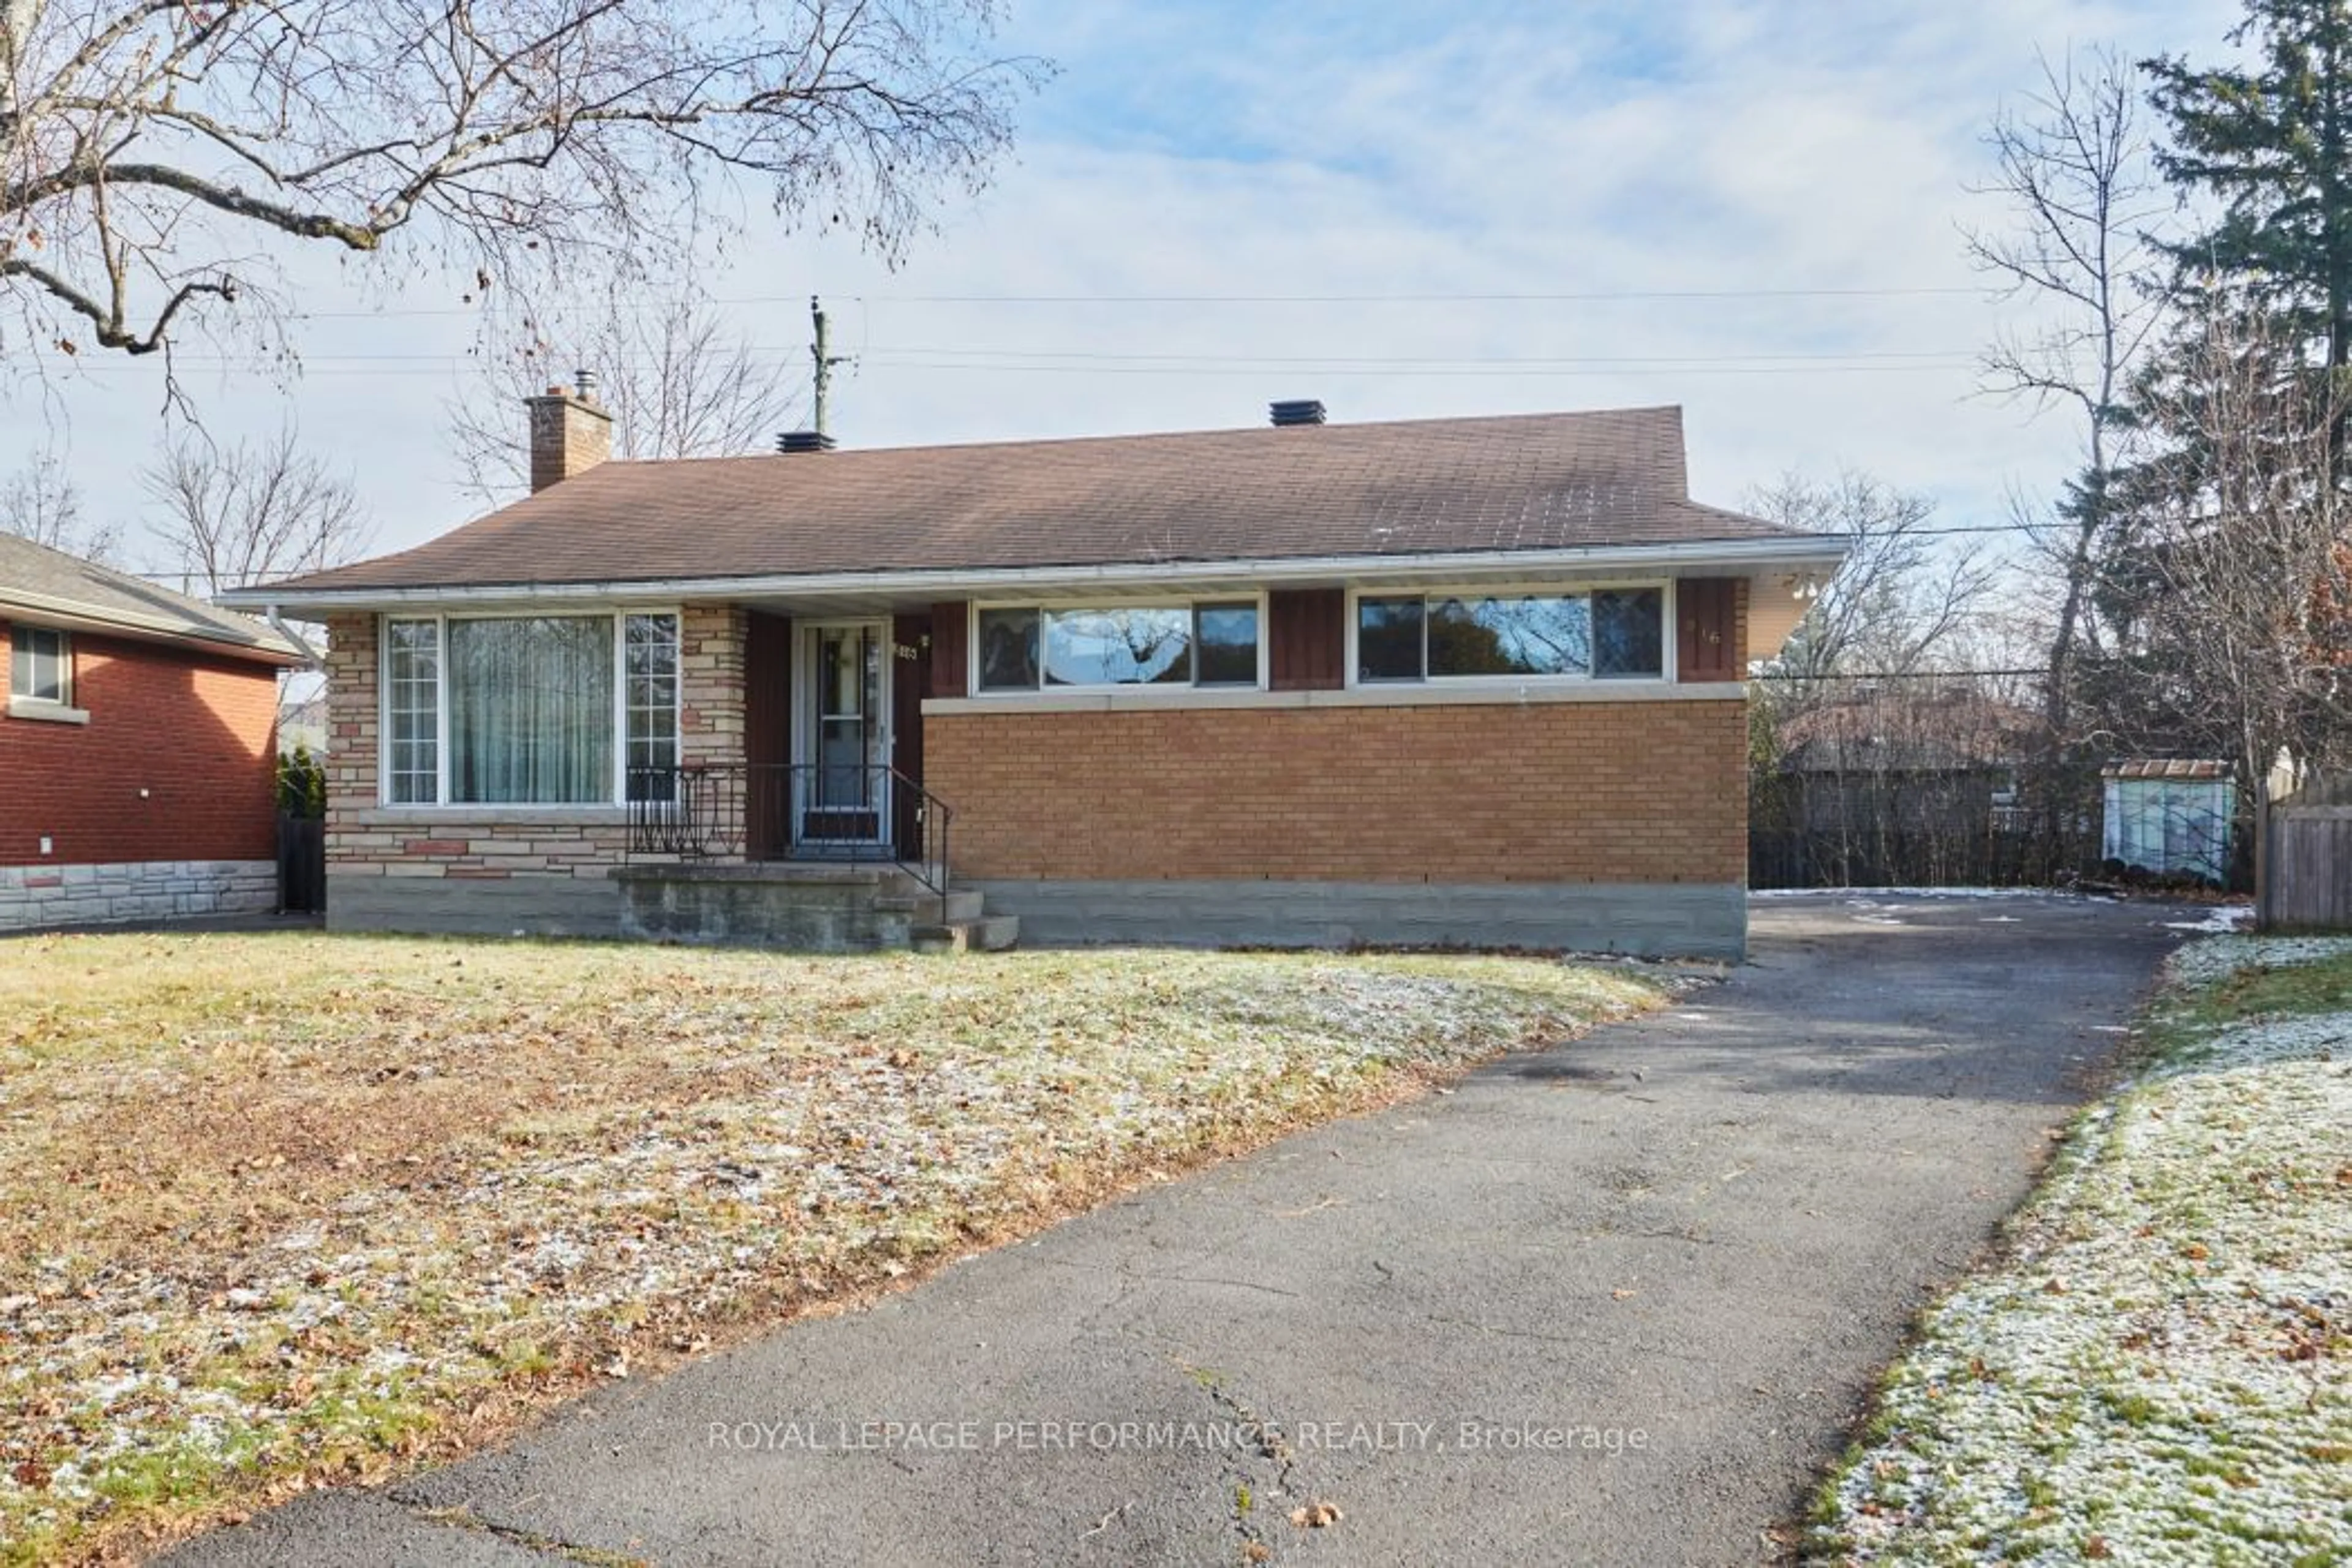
[826, 360]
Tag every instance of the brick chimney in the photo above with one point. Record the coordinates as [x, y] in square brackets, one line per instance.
[571, 432]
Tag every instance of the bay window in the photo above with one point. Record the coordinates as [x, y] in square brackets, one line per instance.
[527, 710]
[1051, 648]
[1602, 634]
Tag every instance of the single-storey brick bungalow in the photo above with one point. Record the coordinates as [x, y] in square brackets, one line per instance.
[1459, 680]
[137, 750]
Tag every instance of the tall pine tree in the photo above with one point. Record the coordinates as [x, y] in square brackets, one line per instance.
[2268, 142]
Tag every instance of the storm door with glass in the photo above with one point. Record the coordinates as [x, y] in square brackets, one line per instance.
[841, 780]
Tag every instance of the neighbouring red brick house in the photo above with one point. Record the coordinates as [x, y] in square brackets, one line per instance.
[1475, 680]
[137, 748]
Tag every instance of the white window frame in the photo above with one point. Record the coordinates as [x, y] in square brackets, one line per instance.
[1668, 623]
[617, 784]
[65, 658]
[1191, 604]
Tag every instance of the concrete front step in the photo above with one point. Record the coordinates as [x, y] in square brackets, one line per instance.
[962, 904]
[986, 933]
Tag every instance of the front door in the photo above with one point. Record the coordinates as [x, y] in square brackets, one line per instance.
[842, 753]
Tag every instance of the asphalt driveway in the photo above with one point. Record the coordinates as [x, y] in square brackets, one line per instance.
[1615, 1302]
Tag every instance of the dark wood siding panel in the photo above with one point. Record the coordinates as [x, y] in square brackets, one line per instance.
[1706, 641]
[911, 654]
[766, 689]
[951, 647]
[767, 730]
[1308, 633]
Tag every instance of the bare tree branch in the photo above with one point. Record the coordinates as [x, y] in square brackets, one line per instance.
[678, 383]
[2073, 165]
[147, 145]
[39, 502]
[232, 517]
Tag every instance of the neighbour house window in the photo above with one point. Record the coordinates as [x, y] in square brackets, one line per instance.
[1029, 649]
[526, 710]
[40, 665]
[1608, 634]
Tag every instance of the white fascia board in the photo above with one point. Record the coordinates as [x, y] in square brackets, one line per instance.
[1731, 557]
[73, 616]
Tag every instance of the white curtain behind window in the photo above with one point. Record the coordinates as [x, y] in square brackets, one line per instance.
[530, 710]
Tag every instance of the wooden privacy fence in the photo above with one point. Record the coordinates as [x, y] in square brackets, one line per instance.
[2303, 869]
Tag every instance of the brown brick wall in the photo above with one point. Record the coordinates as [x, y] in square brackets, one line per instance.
[197, 733]
[366, 838]
[1573, 792]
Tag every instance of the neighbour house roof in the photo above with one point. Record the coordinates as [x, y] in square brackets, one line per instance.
[1948, 733]
[37, 583]
[2168, 768]
[1411, 490]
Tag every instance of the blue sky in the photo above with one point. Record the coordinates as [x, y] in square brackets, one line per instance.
[1722, 154]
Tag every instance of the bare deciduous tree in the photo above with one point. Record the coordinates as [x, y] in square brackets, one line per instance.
[234, 515]
[2238, 650]
[155, 154]
[1904, 597]
[41, 503]
[2072, 162]
[678, 382]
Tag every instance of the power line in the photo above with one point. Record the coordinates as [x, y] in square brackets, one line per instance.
[787, 354]
[1581, 297]
[1228, 369]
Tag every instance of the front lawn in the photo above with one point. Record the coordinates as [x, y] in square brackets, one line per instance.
[2155, 1373]
[280, 1210]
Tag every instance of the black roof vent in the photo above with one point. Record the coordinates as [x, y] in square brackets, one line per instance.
[804, 441]
[1303, 411]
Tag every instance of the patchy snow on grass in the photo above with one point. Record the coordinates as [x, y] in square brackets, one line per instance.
[2154, 1374]
[2201, 963]
[2222, 918]
[275, 1208]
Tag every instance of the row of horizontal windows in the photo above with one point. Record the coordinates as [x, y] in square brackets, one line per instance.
[1602, 634]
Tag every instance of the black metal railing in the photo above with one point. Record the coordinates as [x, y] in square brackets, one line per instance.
[854, 814]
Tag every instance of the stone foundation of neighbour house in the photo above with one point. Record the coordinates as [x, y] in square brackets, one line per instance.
[40, 896]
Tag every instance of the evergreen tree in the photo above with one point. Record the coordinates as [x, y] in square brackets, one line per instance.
[2268, 142]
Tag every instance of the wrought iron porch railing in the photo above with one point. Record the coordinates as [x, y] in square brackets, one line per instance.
[857, 814]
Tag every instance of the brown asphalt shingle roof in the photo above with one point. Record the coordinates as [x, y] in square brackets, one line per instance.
[1427, 487]
[35, 579]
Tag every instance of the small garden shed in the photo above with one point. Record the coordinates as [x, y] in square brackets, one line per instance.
[2170, 816]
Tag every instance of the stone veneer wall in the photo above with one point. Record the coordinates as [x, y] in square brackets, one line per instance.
[367, 840]
[40, 896]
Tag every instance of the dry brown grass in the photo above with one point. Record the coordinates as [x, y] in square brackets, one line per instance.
[282, 1209]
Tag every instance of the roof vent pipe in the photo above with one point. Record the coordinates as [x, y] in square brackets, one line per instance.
[1302, 410]
[583, 383]
[804, 441]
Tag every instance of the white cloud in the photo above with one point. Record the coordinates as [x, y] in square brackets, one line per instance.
[1495, 149]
